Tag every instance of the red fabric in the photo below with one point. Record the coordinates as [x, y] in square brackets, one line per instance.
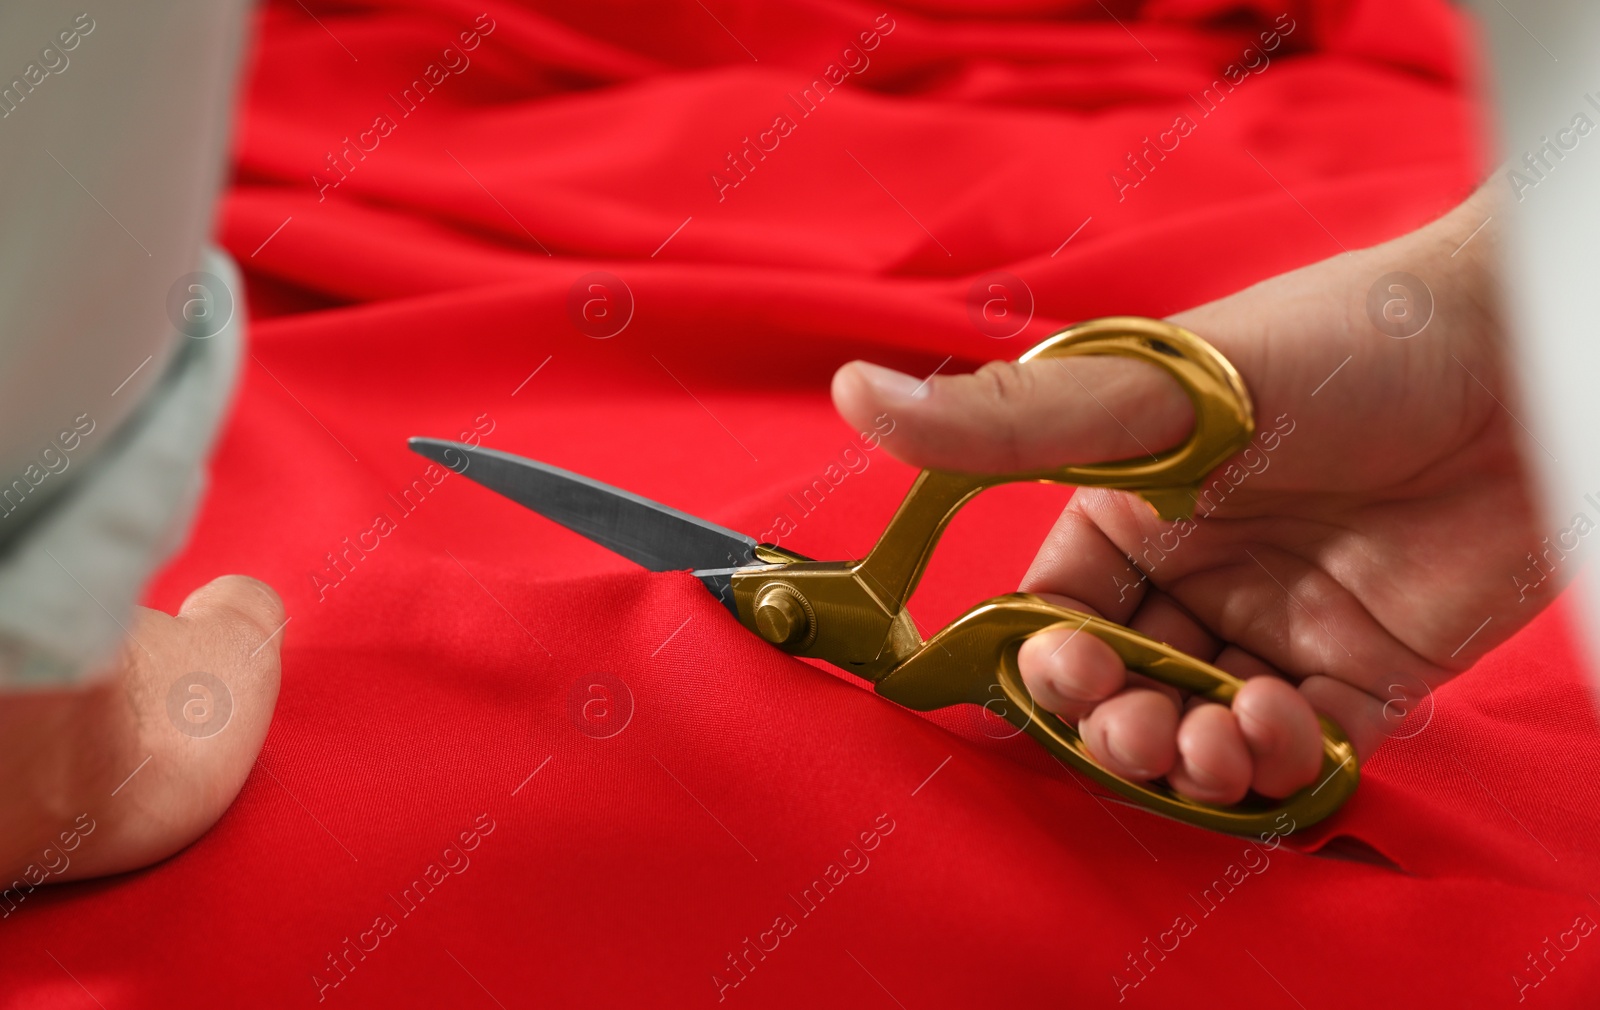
[422, 689]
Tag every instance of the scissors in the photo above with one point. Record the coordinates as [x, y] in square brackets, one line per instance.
[853, 613]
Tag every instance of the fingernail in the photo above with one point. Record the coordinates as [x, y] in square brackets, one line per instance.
[1066, 689]
[1202, 776]
[1120, 757]
[890, 385]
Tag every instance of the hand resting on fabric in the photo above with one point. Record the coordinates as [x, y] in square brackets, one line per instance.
[129, 770]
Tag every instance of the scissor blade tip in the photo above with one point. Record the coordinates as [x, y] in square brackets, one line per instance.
[422, 444]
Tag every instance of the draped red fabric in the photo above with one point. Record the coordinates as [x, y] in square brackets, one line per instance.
[634, 241]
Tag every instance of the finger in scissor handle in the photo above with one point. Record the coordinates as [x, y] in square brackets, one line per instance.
[1140, 729]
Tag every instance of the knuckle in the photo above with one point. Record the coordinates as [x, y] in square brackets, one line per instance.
[1006, 388]
[1006, 384]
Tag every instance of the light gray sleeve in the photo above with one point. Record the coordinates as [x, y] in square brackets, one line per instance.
[113, 370]
[71, 576]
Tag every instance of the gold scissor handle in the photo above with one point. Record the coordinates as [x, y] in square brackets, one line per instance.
[1224, 419]
[974, 660]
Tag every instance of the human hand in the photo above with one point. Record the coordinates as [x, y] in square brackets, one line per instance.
[1358, 554]
[126, 771]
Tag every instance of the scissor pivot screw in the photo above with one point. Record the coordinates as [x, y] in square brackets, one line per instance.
[782, 616]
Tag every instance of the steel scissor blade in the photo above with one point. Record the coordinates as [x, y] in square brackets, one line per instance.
[661, 539]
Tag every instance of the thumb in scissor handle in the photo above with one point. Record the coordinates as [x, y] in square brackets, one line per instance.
[1224, 417]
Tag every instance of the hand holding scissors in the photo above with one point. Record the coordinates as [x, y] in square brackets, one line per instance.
[1380, 536]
